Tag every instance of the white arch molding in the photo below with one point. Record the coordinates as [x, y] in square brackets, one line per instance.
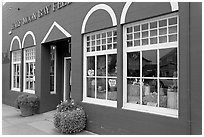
[55, 24]
[28, 33]
[98, 7]
[174, 7]
[19, 42]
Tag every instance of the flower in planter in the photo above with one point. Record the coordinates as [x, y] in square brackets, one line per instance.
[69, 118]
[28, 103]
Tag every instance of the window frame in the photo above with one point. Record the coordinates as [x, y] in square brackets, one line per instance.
[24, 70]
[55, 60]
[12, 70]
[103, 102]
[144, 108]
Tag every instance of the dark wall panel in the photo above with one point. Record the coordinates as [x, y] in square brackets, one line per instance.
[196, 66]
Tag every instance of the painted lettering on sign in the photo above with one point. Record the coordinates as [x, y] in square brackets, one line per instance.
[39, 14]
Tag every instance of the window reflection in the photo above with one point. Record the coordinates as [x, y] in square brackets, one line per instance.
[101, 88]
[133, 64]
[112, 65]
[149, 63]
[91, 87]
[168, 62]
[133, 90]
[112, 89]
[101, 65]
[91, 66]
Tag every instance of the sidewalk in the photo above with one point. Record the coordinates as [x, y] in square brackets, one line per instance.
[39, 124]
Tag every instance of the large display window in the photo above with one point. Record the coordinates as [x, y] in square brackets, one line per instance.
[100, 67]
[150, 53]
[29, 70]
[16, 70]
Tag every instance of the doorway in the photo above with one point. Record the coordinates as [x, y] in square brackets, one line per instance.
[67, 79]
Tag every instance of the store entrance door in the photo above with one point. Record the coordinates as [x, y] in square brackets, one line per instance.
[67, 79]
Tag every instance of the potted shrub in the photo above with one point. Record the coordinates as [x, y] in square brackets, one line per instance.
[28, 104]
[69, 118]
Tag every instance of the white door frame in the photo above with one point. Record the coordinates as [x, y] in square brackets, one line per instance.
[64, 94]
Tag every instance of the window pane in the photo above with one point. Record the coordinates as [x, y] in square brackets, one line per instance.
[136, 42]
[145, 34]
[144, 41]
[163, 39]
[133, 90]
[153, 32]
[112, 89]
[109, 34]
[145, 26]
[98, 48]
[112, 65]
[88, 38]
[115, 46]
[103, 47]
[163, 31]
[172, 38]
[153, 40]
[129, 30]
[173, 29]
[103, 35]
[136, 28]
[101, 65]
[109, 40]
[149, 91]
[114, 33]
[163, 23]
[101, 88]
[109, 46]
[153, 25]
[114, 39]
[52, 83]
[129, 37]
[168, 92]
[91, 87]
[149, 63]
[173, 21]
[136, 35]
[52, 66]
[91, 66]
[129, 44]
[93, 37]
[133, 64]
[168, 62]
[17, 82]
[103, 41]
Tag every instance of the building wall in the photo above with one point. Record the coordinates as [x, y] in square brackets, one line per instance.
[102, 119]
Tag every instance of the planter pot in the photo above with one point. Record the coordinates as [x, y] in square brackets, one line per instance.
[26, 111]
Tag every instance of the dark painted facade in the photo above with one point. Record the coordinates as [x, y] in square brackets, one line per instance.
[48, 29]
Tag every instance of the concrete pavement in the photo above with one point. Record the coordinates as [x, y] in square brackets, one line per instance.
[38, 124]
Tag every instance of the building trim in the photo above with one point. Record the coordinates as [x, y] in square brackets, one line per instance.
[55, 24]
[19, 42]
[29, 33]
[174, 6]
[98, 7]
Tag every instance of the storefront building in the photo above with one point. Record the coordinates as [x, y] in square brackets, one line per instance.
[135, 67]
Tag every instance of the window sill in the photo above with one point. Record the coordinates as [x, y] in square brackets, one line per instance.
[151, 110]
[29, 91]
[15, 89]
[101, 102]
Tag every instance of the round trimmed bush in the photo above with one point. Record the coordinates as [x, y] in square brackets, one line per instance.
[69, 118]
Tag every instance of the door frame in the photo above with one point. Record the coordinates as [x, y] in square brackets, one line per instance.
[64, 93]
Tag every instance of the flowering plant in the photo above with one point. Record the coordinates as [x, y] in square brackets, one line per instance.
[28, 100]
[69, 118]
